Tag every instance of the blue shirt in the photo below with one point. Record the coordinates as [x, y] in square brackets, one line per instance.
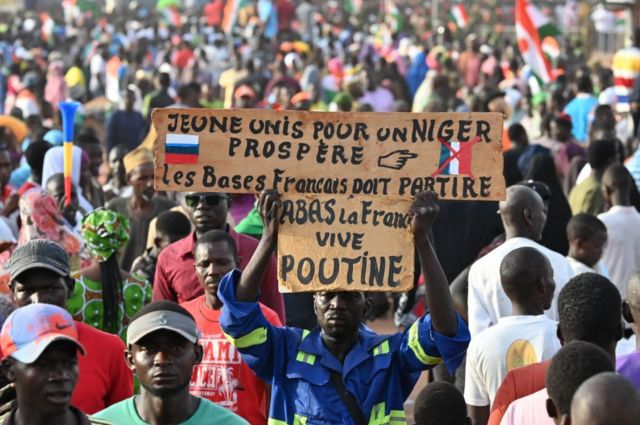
[125, 128]
[579, 109]
[633, 165]
[269, 15]
[380, 370]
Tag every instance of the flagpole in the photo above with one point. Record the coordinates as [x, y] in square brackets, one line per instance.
[434, 14]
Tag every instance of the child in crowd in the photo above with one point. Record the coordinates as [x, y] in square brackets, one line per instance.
[587, 237]
[440, 403]
[170, 227]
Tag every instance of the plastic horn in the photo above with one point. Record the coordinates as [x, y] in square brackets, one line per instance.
[68, 110]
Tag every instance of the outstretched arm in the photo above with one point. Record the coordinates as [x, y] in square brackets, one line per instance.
[269, 207]
[443, 318]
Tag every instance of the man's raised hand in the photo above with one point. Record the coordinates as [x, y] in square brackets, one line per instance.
[424, 210]
[270, 208]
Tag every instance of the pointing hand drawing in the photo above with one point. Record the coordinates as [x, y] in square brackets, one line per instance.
[396, 159]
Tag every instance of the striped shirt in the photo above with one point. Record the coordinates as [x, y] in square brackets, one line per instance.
[626, 68]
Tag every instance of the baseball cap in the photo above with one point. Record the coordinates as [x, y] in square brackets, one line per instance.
[157, 320]
[39, 254]
[29, 330]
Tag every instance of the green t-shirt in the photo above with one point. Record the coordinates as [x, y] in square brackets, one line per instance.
[207, 413]
[587, 197]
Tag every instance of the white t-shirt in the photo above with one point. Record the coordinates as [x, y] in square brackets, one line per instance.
[487, 300]
[622, 253]
[579, 267]
[529, 410]
[515, 341]
[97, 67]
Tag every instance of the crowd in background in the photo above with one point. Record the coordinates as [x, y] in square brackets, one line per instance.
[571, 163]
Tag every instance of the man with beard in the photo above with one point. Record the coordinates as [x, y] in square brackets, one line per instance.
[243, 392]
[162, 349]
[40, 344]
[141, 207]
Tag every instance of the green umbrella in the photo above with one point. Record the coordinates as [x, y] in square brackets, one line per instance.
[163, 4]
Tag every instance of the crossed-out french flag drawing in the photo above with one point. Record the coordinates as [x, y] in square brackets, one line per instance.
[455, 158]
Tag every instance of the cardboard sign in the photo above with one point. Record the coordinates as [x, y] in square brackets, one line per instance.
[355, 243]
[457, 155]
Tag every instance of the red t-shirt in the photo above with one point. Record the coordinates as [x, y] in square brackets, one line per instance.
[176, 279]
[213, 12]
[518, 383]
[182, 58]
[104, 377]
[222, 376]
[286, 14]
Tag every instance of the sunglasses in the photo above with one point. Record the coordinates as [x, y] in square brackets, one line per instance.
[209, 200]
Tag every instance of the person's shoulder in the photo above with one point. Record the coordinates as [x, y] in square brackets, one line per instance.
[547, 322]
[116, 413]
[218, 414]
[246, 240]
[526, 373]
[87, 334]
[488, 261]
[116, 203]
[163, 202]
[96, 421]
[174, 248]
[486, 338]
[192, 305]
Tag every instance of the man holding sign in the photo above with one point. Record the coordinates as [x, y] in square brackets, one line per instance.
[341, 372]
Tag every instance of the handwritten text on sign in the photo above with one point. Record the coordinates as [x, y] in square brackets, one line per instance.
[357, 243]
[457, 155]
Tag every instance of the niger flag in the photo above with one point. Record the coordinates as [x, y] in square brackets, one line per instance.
[532, 27]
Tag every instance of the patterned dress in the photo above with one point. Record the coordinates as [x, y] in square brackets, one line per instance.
[85, 304]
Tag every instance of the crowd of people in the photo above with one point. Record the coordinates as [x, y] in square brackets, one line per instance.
[527, 316]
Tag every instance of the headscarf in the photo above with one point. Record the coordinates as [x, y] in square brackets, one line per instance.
[54, 164]
[137, 157]
[105, 232]
[41, 219]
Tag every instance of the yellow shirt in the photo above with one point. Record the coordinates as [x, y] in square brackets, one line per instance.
[74, 77]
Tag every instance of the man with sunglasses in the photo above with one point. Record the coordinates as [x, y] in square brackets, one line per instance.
[176, 279]
[142, 206]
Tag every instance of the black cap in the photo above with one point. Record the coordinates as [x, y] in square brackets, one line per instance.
[39, 254]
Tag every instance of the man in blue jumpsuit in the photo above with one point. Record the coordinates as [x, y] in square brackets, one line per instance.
[342, 372]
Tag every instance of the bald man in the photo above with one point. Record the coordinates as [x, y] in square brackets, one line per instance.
[622, 253]
[524, 337]
[606, 398]
[628, 365]
[523, 216]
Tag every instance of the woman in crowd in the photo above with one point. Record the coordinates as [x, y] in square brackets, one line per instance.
[42, 219]
[105, 296]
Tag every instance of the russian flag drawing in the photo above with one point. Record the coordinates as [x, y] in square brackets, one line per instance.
[181, 149]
